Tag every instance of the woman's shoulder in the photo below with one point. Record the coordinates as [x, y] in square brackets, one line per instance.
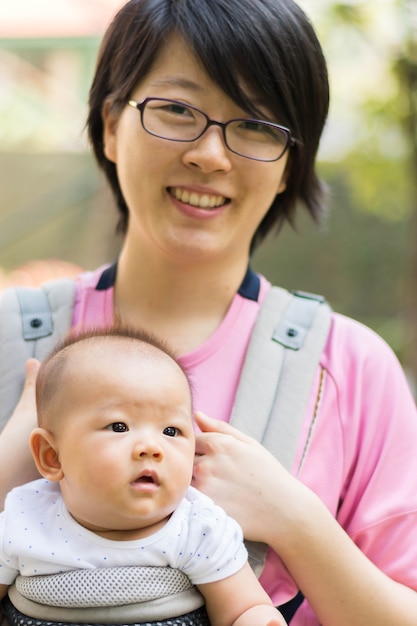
[350, 341]
[90, 279]
[361, 364]
[352, 346]
[93, 305]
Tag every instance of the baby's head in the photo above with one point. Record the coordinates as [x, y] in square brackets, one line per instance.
[115, 429]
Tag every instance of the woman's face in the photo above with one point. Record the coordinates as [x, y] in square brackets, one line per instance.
[168, 184]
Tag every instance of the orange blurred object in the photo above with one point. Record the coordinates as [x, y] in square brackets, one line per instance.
[33, 273]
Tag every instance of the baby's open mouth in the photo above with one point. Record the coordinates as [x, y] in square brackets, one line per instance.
[198, 200]
[149, 478]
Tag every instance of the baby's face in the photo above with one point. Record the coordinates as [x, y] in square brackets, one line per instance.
[126, 437]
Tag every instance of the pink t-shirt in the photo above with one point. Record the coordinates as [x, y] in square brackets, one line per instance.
[357, 448]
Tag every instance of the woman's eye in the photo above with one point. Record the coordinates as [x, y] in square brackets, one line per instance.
[252, 126]
[178, 109]
[174, 110]
[171, 431]
[118, 427]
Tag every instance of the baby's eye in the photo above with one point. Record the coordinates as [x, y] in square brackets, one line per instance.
[171, 431]
[118, 427]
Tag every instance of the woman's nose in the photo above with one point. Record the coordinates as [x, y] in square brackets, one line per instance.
[209, 153]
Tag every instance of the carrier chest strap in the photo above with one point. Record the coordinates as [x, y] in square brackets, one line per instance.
[32, 320]
[288, 339]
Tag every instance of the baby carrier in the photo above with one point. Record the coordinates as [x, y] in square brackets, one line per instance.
[280, 365]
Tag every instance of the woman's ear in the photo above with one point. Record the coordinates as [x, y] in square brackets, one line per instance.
[45, 453]
[110, 116]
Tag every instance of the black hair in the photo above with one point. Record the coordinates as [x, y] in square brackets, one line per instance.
[267, 46]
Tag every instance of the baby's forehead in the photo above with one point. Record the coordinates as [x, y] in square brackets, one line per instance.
[121, 346]
[95, 354]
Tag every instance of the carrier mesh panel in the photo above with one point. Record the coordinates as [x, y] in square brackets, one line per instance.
[112, 586]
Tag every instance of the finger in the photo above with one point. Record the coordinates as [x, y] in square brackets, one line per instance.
[209, 425]
[32, 369]
[28, 392]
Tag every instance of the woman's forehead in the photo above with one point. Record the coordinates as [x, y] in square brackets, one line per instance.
[177, 67]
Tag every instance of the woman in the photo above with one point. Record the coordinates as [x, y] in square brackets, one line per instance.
[206, 118]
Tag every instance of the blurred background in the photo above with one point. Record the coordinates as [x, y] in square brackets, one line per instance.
[56, 214]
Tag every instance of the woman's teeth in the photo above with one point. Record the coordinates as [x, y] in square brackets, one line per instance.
[202, 201]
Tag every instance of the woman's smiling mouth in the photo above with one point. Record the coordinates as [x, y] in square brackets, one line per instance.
[198, 200]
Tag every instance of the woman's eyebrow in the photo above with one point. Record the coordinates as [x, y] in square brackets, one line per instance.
[185, 83]
[178, 81]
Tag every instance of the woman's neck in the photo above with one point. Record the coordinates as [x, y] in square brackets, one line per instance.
[184, 304]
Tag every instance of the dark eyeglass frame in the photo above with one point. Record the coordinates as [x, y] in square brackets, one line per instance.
[140, 106]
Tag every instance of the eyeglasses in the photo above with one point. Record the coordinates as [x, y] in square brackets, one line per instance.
[175, 121]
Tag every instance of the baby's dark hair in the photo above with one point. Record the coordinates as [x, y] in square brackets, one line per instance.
[52, 369]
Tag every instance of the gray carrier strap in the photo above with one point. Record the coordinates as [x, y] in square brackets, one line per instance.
[26, 315]
[282, 358]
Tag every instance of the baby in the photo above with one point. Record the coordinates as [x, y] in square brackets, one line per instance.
[115, 446]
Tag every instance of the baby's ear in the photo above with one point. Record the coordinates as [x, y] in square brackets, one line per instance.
[45, 454]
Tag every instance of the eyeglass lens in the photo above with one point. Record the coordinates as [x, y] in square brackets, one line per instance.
[250, 138]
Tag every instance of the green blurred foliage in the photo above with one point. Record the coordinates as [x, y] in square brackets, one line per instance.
[347, 13]
[357, 258]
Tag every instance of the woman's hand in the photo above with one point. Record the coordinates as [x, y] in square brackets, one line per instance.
[241, 476]
[274, 507]
[16, 461]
